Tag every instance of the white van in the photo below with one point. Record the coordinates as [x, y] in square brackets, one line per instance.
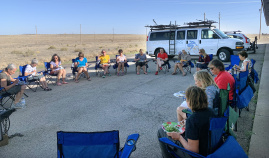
[191, 38]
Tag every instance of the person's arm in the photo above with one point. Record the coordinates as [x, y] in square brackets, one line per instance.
[86, 62]
[4, 84]
[245, 67]
[192, 145]
[166, 57]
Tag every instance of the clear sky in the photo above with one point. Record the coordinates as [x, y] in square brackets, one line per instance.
[123, 16]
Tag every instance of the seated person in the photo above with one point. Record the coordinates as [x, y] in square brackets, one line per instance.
[141, 60]
[183, 59]
[121, 60]
[162, 58]
[11, 86]
[57, 69]
[223, 77]
[81, 63]
[206, 82]
[197, 126]
[243, 56]
[104, 62]
[204, 59]
[30, 71]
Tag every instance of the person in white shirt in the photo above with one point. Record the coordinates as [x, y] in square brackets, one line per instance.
[30, 71]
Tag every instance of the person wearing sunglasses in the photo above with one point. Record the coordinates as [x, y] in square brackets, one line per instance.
[223, 77]
[57, 69]
[203, 61]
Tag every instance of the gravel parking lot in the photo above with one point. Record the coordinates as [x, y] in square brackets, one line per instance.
[130, 103]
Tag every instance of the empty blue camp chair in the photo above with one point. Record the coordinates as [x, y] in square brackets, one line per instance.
[115, 66]
[230, 148]
[104, 144]
[235, 60]
[216, 130]
[253, 74]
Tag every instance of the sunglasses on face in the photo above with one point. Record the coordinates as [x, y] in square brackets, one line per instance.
[211, 68]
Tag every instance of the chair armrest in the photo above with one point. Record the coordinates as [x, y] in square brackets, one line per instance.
[129, 145]
[169, 142]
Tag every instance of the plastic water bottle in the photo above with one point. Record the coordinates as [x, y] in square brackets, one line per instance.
[23, 102]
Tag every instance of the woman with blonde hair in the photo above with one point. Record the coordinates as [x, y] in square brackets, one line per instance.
[203, 61]
[206, 82]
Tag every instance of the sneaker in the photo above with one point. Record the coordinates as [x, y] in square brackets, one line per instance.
[118, 74]
[156, 73]
[104, 76]
[17, 106]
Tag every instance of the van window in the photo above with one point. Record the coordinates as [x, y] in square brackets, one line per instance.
[156, 36]
[180, 35]
[192, 34]
[208, 34]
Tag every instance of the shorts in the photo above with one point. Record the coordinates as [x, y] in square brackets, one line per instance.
[201, 66]
[14, 90]
[35, 77]
[140, 64]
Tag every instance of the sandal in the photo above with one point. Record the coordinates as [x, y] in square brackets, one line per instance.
[138, 73]
[47, 89]
[59, 84]
[174, 73]
[145, 73]
[76, 81]
[64, 82]
[89, 79]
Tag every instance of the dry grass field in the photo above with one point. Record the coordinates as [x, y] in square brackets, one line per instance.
[20, 49]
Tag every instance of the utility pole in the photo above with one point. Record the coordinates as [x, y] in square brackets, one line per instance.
[260, 22]
[204, 16]
[113, 35]
[219, 20]
[80, 33]
[36, 33]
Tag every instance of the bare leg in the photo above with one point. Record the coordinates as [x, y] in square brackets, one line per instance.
[180, 66]
[63, 75]
[144, 69]
[79, 72]
[138, 69]
[19, 95]
[86, 72]
[181, 115]
[119, 65]
[60, 73]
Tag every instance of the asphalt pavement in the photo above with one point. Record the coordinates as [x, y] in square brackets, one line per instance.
[130, 103]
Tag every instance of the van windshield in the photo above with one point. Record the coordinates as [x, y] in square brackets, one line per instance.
[222, 34]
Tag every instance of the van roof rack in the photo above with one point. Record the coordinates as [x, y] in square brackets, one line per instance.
[163, 27]
[234, 32]
[200, 23]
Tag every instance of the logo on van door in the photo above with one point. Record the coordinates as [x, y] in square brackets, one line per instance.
[192, 47]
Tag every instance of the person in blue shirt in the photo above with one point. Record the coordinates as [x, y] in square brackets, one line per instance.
[81, 64]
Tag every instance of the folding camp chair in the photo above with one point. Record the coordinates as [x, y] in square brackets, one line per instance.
[215, 140]
[253, 73]
[136, 63]
[208, 69]
[164, 67]
[244, 92]
[75, 70]
[230, 148]
[115, 66]
[98, 69]
[28, 81]
[187, 67]
[5, 98]
[104, 144]
[235, 60]
[47, 74]
[5, 122]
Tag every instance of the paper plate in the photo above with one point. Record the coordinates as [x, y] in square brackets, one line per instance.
[173, 127]
[180, 94]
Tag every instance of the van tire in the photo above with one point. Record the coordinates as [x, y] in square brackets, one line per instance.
[156, 52]
[224, 55]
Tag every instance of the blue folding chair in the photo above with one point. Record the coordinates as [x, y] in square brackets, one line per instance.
[104, 144]
[216, 129]
[49, 76]
[28, 81]
[115, 66]
[253, 74]
[98, 69]
[235, 60]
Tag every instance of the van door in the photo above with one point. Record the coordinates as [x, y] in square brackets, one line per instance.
[180, 41]
[209, 41]
[192, 45]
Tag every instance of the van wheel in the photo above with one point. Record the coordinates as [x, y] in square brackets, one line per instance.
[224, 55]
[156, 52]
